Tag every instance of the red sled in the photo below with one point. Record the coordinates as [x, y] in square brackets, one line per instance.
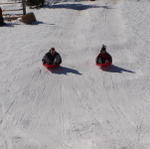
[104, 65]
[49, 66]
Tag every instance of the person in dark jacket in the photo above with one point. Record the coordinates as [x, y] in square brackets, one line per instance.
[52, 57]
[103, 57]
[1, 18]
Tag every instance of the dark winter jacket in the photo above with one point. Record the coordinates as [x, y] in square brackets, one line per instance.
[1, 20]
[52, 59]
[102, 58]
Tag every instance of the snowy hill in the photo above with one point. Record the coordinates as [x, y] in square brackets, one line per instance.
[77, 106]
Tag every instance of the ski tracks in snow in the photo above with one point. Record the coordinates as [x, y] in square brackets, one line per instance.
[65, 110]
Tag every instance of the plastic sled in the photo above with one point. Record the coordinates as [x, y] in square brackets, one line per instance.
[48, 66]
[104, 65]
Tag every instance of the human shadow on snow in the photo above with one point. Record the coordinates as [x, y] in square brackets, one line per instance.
[116, 69]
[58, 1]
[9, 24]
[65, 70]
[77, 6]
[37, 23]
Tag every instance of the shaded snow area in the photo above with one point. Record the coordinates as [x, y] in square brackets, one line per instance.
[79, 105]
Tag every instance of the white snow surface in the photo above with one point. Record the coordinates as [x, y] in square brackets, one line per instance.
[79, 105]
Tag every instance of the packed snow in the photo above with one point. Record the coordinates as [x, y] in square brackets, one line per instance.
[79, 105]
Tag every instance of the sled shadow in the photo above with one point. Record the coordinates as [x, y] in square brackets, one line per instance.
[105, 7]
[116, 69]
[78, 7]
[9, 25]
[59, 1]
[37, 23]
[65, 70]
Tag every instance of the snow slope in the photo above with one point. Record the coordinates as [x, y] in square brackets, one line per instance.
[78, 106]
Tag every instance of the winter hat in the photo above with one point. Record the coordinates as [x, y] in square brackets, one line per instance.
[103, 48]
[52, 49]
